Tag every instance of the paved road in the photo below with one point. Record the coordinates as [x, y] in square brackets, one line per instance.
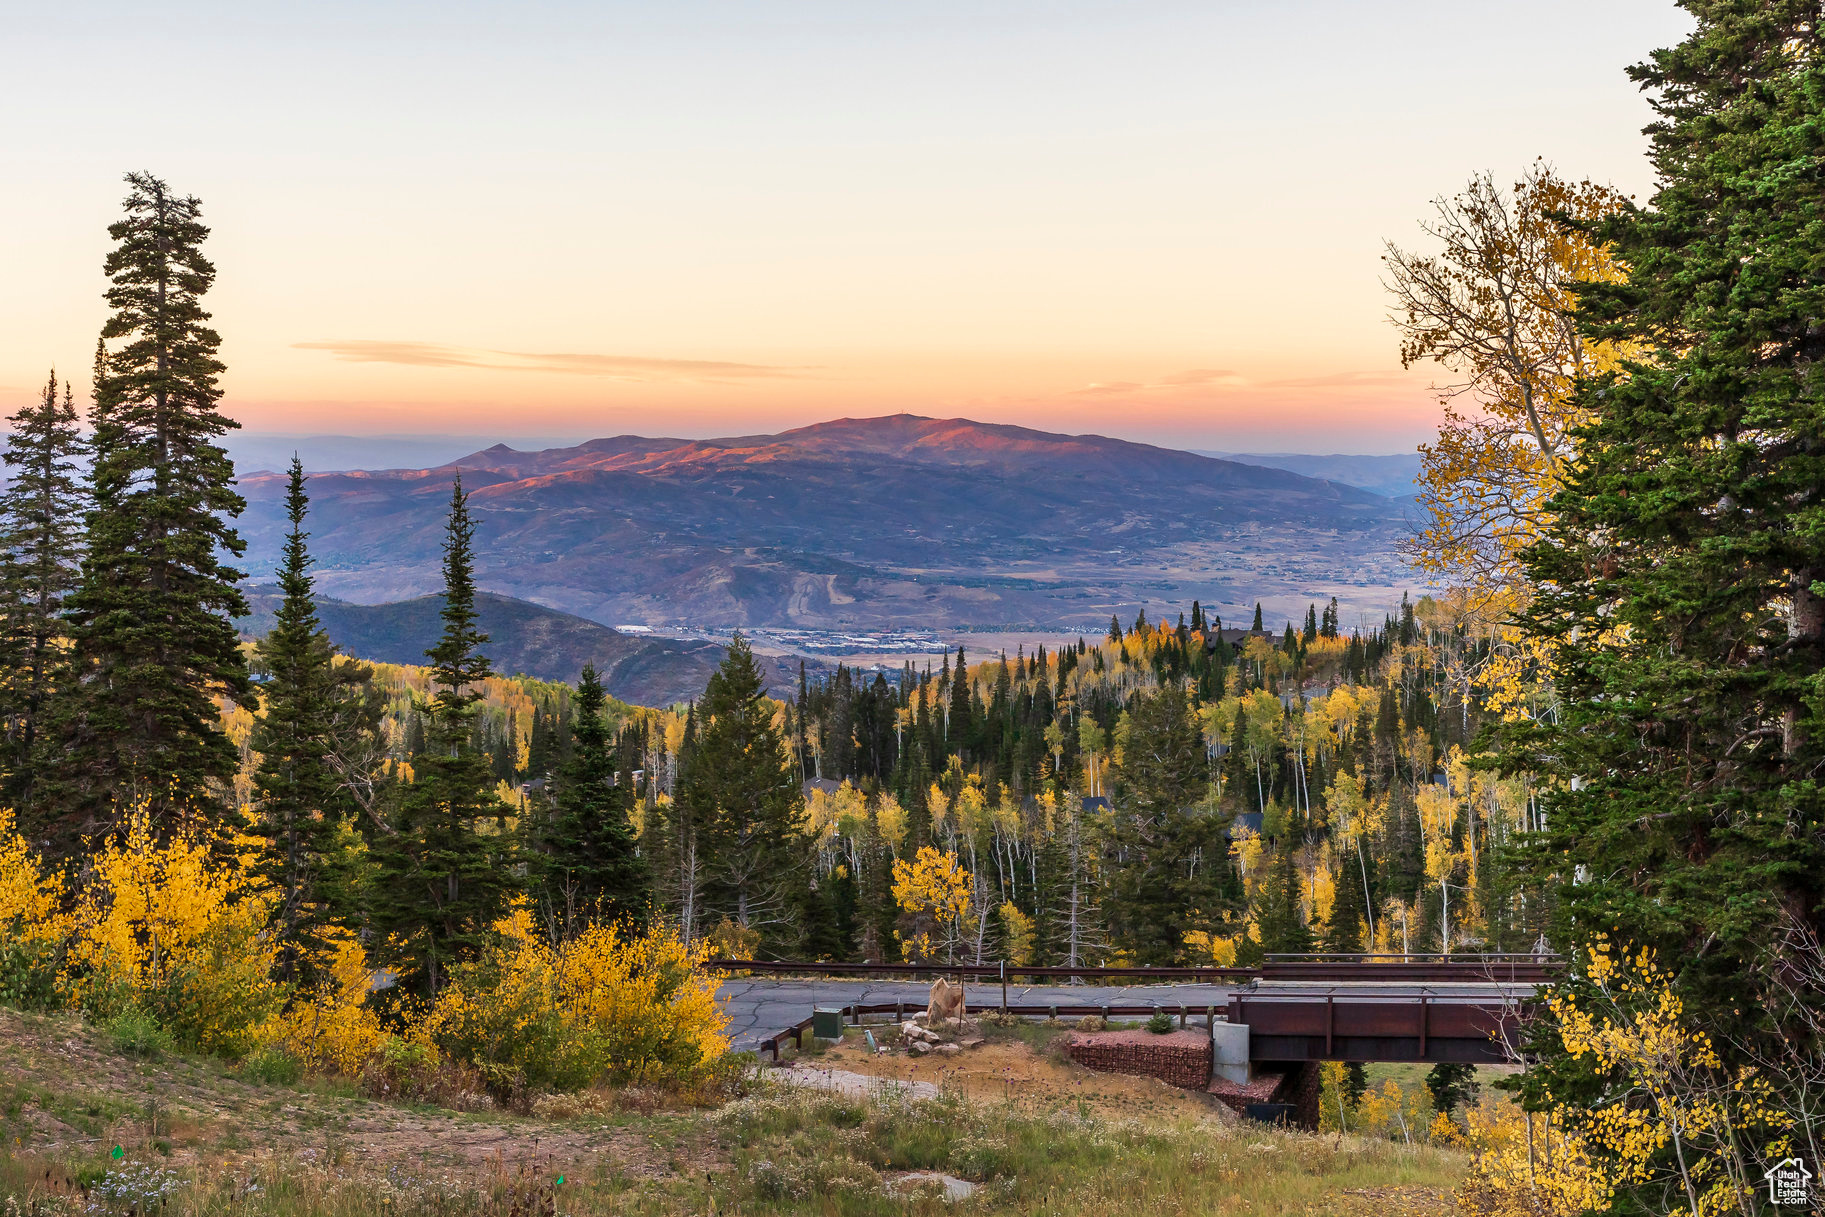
[763, 1006]
[759, 1007]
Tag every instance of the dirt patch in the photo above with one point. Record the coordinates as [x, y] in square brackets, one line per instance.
[853, 1085]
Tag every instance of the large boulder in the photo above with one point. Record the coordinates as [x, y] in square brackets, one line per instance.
[947, 1003]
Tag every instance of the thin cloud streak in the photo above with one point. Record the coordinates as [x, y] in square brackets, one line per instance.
[1192, 379]
[616, 367]
[1198, 378]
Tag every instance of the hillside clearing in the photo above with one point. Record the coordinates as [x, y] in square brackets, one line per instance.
[1036, 1133]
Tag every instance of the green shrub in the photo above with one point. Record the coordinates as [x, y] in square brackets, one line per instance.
[408, 1070]
[28, 973]
[217, 996]
[136, 1031]
[1160, 1023]
[974, 1156]
[273, 1067]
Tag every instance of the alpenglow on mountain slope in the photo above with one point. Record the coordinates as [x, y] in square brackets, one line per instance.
[854, 523]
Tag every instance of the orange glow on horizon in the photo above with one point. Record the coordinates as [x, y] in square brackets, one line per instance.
[1376, 411]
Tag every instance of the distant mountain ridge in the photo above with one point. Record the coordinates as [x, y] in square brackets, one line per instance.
[523, 639]
[901, 520]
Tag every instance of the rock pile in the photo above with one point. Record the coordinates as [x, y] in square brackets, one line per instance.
[917, 1038]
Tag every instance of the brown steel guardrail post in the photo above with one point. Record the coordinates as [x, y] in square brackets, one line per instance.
[1004, 988]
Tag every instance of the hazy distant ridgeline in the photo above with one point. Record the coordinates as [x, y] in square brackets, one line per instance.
[1394, 475]
[847, 523]
[526, 639]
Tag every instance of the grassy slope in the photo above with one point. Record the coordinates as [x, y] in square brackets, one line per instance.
[217, 1142]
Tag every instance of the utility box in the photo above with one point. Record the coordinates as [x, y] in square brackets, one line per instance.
[826, 1022]
[1229, 1052]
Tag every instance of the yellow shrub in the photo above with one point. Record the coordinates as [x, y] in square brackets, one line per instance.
[1206, 949]
[1017, 933]
[1395, 1113]
[1674, 1120]
[329, 1024]
[28, 894]
[164, 927]
[729, 939]
[32, 932]
[607, 1005]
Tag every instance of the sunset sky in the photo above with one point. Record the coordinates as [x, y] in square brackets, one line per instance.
[1154, 220]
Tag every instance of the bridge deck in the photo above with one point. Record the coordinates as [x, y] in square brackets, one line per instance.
[1456, 1022]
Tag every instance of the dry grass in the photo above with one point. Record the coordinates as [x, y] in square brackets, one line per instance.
[1036, 1133]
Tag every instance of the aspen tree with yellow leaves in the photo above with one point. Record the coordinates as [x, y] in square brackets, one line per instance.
[1492, 301]
[934, 891]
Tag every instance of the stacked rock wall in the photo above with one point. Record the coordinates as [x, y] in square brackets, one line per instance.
[1180, 1058]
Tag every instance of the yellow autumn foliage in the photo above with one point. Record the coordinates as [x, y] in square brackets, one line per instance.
[1674, 1123]
[32, 931]
[610, 1005]
[329, 1025]
[178, 927]
[28, 893]
[1017, 933]
[935, 890]
[163, 926]
[1205, 949]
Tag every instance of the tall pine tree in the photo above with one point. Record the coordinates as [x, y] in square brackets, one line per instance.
[153, 615]
[1682, 589]
[673, 840]
[448, 864]
[1170, 874]
[957, 727]
[302, 798]
[590, 867]
[743, 792]
[41, 541]
[1281, 919]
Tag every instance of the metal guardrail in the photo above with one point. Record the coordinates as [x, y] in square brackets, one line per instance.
[1410, 973]
[1410, 957]
[1412, 968]
[983, 971]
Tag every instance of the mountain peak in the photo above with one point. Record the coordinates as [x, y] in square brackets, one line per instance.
[854, 523]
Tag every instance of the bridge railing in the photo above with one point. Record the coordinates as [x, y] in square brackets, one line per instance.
[1415, 967]
[969, 971]
[1453, 957]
